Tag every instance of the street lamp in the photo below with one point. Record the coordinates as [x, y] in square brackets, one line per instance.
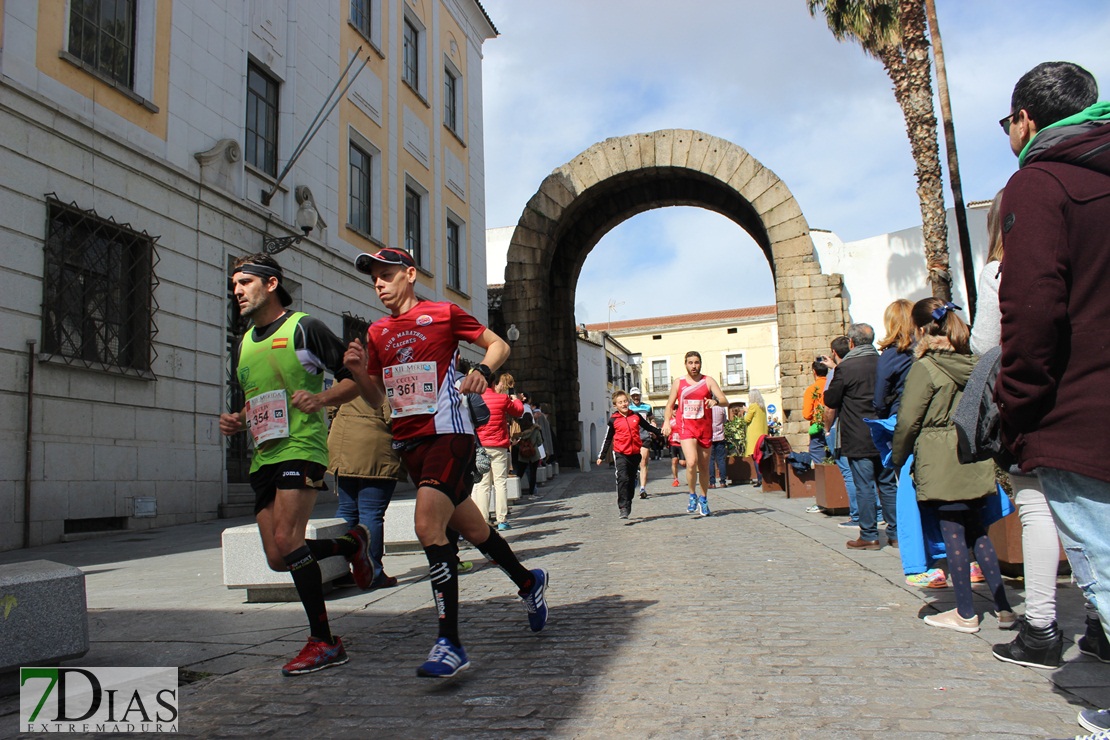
[512, 334]
[306, 219]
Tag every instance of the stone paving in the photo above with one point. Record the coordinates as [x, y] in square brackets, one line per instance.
[755, 622]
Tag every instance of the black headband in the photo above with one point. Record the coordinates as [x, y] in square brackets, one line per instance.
[263, 271]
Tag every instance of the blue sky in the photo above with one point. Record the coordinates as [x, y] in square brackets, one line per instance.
[764, 75]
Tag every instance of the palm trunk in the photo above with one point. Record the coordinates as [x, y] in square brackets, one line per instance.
[953, 160]
[908, 69]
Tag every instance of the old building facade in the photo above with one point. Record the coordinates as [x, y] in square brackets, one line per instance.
[148, 144]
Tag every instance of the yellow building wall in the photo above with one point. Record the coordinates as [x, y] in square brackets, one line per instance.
[52, 24]
[757, 341]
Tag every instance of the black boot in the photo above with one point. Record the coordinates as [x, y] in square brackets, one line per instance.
[1094, 643]
[1035, 647]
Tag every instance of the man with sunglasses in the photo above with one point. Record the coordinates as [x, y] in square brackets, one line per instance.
[410, 360]
[1054, 372]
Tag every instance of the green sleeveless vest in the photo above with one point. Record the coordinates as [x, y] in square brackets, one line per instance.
[270, 365]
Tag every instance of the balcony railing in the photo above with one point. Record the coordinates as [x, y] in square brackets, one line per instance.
[659, 389]
[734, 381]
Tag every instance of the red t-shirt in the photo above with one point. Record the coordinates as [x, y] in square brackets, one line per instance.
[415, 354]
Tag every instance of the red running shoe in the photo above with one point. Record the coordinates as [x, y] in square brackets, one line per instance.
[316, 656]
[362, 566]
[675, 483]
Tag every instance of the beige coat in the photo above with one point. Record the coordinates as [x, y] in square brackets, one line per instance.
[360, 443]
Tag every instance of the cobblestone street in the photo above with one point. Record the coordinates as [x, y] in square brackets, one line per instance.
[754, 622]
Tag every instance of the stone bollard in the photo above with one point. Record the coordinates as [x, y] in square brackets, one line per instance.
[43, 615]
[513, 488]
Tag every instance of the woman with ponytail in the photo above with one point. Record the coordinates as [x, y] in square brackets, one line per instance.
[956, 493]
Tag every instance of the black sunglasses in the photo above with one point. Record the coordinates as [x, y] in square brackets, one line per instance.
[1005, 123]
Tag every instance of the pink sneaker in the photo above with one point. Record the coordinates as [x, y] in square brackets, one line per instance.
[976, 573]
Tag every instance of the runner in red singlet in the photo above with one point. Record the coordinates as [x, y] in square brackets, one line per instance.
[410, 359]
[694, 395]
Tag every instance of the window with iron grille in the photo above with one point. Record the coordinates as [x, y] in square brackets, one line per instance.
[359, 188]
[360, 16]
[450, 100]
[354, 328]
[659, 376]
[102, 35]
[262, 119]
[454, 268]
[98, 291]
[412, 225]
[410, 67]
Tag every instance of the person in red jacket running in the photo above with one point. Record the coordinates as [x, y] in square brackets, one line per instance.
[623, 438]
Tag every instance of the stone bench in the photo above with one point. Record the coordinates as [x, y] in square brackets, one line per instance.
[43, 614]
[245, 563]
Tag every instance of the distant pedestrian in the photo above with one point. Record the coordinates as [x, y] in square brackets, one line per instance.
[643, 409]
[622, 439]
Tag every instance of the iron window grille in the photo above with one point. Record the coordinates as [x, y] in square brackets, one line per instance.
[262, 119]
[450, 101]
[98, 291]
[412, 225]
[410, 67]
[454, 268]
[359, 189]
[102, 35]
[354, 328]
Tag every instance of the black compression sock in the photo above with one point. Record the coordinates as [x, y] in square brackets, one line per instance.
[306, 577]
[443, 563]
[497, 549]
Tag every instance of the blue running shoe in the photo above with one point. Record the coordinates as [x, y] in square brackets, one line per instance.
[534, 601]
[445, 660]
[693, 505]
[703, 506]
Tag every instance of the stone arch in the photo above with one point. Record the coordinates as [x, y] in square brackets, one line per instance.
[618, 178]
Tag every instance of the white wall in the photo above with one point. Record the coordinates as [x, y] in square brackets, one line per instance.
[595, 405]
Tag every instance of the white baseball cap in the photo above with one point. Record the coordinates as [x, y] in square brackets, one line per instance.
[634, 392]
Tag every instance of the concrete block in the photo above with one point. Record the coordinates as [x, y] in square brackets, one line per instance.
[43, 613]
[399, 533]
[245, 563]
[541, 474]
[512, 488]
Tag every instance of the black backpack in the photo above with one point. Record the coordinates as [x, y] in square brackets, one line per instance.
[977, 419]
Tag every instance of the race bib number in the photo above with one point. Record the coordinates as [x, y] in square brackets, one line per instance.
[693, 409]
[412, 388]
[268, 416]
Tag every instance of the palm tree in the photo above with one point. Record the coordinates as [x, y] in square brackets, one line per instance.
[953, 160]
[893, 31]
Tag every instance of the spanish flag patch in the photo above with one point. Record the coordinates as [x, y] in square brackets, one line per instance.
[279, 343]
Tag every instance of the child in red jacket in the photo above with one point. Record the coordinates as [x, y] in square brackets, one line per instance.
[623, 437]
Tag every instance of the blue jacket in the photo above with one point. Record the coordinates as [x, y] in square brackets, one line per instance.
[890, 380]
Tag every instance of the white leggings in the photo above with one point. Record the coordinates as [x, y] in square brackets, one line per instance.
[1040, 546]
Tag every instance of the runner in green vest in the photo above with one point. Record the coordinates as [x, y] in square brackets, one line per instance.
[281, 364]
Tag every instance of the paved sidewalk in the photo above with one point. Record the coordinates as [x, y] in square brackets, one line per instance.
[755, 622]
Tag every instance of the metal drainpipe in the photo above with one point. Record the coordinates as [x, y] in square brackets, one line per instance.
[27, 461]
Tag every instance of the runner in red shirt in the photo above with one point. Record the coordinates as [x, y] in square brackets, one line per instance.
[410, 359]
[695, 395]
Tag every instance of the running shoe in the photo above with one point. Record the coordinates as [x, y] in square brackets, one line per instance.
[316, 655]
[503, 527]
[675, 483]
[703, 506]
[934, 578]
[465, 566]
[534, 602]
[362, 565]
[813, 509]
[445, 660]
[693, 505]
[643, 492]
[976, 573]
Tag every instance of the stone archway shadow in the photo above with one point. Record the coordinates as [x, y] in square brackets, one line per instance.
[618, 178]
